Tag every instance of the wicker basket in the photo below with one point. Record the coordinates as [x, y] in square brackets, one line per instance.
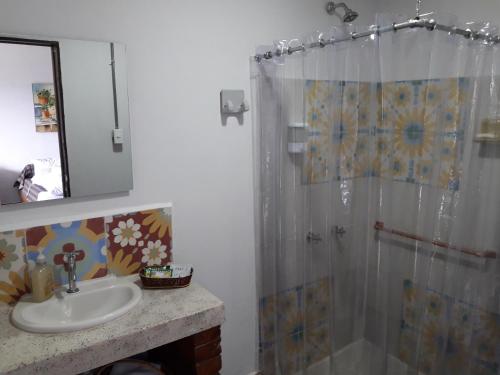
[164, 283]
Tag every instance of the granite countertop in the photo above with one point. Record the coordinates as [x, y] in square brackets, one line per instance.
[161, 317]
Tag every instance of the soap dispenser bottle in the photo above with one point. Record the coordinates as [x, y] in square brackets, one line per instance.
[42, 280]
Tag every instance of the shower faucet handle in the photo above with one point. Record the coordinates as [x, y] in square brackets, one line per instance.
[339, 230]
[313, 237]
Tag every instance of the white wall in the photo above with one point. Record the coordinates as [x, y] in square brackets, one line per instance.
[466, 10]
[20, 67]
[180, 54]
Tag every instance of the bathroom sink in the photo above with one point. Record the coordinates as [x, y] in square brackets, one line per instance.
[97, 302]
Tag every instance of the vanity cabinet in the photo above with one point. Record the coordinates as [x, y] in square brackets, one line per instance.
[199, 354]
[179, 328]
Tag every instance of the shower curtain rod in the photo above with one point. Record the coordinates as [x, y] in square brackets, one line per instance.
[411, 23]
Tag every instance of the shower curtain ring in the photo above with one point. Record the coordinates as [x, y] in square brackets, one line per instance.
[431, 24]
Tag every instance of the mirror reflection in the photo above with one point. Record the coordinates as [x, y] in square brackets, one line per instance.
[64, 120]
[31, 167]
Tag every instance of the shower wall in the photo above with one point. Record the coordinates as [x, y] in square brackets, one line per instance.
[463, 210]
[373, 274]
[311, 273]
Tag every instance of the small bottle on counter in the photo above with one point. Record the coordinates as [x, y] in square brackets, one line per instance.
[42, 280]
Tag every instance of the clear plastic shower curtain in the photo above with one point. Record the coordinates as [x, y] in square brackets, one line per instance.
[377, 174]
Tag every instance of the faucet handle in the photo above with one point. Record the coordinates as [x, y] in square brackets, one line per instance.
[63, 257]
[73, 256]
[69, 251]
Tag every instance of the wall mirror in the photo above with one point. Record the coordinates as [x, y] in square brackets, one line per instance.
[64, 119]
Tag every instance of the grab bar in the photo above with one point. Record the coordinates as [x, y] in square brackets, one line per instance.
[379, 226]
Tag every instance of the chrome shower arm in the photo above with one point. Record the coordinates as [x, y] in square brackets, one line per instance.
[349, 14]
[331, 7]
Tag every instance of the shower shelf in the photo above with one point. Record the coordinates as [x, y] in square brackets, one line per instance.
[379, 226]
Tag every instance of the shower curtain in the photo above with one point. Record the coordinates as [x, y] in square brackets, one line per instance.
[377, 179]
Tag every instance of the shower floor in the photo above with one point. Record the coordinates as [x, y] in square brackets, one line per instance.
[361, 358]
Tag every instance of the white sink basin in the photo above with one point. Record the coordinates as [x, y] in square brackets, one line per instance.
[97, 302]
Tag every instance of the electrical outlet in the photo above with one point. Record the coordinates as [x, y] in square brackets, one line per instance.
[118, 136]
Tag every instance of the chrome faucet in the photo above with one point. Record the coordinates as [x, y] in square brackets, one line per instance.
[71, 261]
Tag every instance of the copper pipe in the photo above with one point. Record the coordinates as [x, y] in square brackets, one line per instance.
[379, 226]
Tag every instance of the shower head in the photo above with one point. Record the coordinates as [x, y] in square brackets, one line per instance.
[349, 14]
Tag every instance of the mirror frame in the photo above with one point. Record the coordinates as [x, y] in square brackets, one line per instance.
[58, 92]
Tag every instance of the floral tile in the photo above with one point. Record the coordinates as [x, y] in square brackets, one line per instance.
[139, 239]
[419, 114]
[357, 101]
[408, 125]
[11, 251]
[14, 280]
[407, 345]
[15, 285]
[321, 98]
[433, 338]
[302, 336]
[290, 312]
[86, 236]
[291, 351]
[267, 359]
[318, 344]
[317, 303]
[449, 336]
[363, 157]
[267, 318]
[317, 161]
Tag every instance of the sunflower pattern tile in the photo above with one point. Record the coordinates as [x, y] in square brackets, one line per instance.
[14, 280]
[394, 130]
[138, 239]
[322, 101]
[442, 335]
[338, 114]
[267, 359]
[294, 325]
[422, 121]
[86, 236]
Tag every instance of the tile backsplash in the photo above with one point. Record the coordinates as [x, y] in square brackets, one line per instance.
[120, 244]
[138, 239]
[86, 235]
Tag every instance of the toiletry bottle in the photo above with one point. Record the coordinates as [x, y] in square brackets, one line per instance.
[42, 280]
